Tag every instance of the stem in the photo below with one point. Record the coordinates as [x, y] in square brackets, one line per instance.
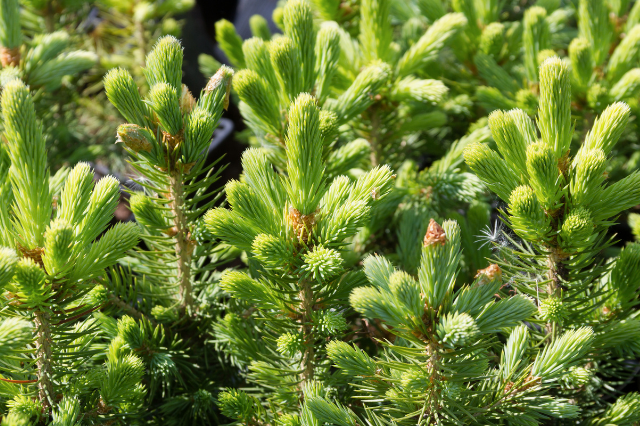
[555, 274]
[49, 18]
[127, 308]
[433, 369]
[306, 297]
[43, 359]
[142, 43]
[183, 243]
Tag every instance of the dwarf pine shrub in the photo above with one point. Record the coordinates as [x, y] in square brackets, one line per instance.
[349, 276]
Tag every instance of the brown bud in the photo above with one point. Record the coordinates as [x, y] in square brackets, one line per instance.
[302, 223]
[191, 244]
[223, 76]
[187, 101]
[530, 382]
[133, 138]
[508, 387]
[34, 254]
[492, 272]
[435, 234]
[172, 141]
[9, 57]
[171, 232]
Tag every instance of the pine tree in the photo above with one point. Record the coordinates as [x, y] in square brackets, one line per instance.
[140, 25]
[126, 32]
[598, 78]
[494, 62]
[139, 323]
[560, 207]
[45, 61]
[271, 78]
[294, 227]
[167, 136]
[443, 366]
[57, 366]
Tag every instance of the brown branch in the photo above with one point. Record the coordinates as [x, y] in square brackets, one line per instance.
[19, 382]
[80, 315]
[43, 359]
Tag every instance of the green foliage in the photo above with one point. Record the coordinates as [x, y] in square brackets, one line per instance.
[167, 139]
[379, 107]
[441, 356]
[346, 302]
[295, 229]
[51, 258]
[561, 209]
[63, 50]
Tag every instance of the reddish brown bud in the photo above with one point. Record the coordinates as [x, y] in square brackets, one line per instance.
[435, 234]
[34, 254]
[302, 223]
[491, 272]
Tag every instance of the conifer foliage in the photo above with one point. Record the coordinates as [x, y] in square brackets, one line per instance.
[54, 252]
[377, 108]
[561, 207]
[446, 365]
[366, 81]
[168, 136]
[294, 228]
[45, 61]
[343, 279]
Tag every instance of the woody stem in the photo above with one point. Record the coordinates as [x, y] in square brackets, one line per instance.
[43, 359]
[181, 238]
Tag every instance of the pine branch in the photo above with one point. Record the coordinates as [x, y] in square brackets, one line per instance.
[126, 308]
[43, 343]
[182, 237]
